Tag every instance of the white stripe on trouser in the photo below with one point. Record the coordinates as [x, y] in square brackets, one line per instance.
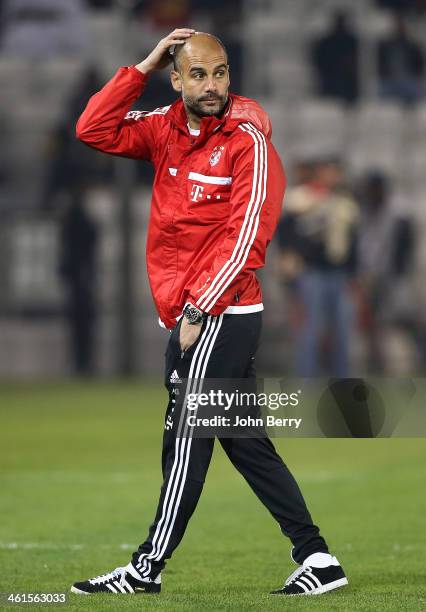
[182, 449]
[178, 473]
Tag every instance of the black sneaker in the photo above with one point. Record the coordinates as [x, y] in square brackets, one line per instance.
[124, 580]
[311, 580]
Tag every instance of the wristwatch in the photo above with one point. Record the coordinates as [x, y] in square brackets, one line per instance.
[193, 315]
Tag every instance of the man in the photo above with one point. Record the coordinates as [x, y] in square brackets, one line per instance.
[216, 201]
[79, 240]
[317, 238]
[386, 254]
[335, 61]
[401, 65]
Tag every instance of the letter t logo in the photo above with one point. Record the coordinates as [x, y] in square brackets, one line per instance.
[197, 192]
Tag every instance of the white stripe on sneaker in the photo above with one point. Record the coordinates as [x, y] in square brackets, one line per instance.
[310, 583]
[118, 586]
[127, 586]
[298, 582]
[315, 580]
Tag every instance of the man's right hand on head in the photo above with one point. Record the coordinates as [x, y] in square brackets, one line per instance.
[160, 57]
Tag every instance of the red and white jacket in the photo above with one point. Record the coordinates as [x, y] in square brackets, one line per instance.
[216, 198]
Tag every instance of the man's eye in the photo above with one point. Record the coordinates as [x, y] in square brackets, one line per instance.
[220, 73]
[198, 75]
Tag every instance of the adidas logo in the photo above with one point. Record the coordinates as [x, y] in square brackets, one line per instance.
[174, 378]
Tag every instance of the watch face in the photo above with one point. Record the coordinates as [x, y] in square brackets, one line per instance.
[192, 314]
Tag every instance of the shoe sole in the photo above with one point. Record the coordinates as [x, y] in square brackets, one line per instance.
[138, 591]
[336, 584]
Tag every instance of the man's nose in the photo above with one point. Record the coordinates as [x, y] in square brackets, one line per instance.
[211, 84]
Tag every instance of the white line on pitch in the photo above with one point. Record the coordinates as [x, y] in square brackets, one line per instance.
[54, 546]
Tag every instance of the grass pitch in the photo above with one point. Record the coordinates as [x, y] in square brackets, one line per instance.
[80, 477]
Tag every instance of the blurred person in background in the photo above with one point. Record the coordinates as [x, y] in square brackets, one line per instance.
[155, 18]
[226, 21]
[386, 248]
[403, 6]
[302, 170]
[101, 4]
[77, 268]
[317, 238]
[161, 15]
[335, 61]
[401, 65]
[48, 28]
[169, 13]
[67, 159]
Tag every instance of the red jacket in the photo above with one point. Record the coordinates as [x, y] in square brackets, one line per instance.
[216, 198]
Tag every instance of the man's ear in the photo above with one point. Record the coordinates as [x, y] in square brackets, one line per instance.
[176, 80]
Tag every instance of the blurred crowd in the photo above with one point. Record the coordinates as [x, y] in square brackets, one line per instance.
[399, 59]
[347, 256]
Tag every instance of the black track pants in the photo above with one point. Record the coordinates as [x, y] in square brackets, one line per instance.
[225, 348]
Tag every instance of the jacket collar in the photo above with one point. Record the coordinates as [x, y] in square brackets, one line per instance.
[177, 115]
[238, 110]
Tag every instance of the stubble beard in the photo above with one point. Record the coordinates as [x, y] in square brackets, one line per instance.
[194, 105]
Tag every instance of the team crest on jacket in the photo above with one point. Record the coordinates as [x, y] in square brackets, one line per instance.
[215, 156]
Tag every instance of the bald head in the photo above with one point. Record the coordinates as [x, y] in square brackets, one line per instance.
[201, 75]
[199, 47]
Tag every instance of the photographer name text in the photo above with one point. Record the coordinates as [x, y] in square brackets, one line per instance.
[221, 421]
